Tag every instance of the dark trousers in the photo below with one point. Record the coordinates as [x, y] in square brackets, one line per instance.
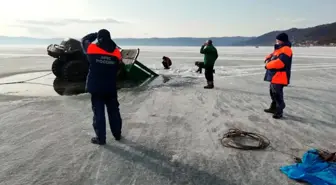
[200, 65]
[98, 102]
[276, 92]
[165, 65]
[209, 74]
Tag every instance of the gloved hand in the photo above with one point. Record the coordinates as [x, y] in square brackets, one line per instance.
[92, 36]
[89, 37]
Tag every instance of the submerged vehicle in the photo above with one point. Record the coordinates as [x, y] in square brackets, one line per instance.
[62, 87]
[71, 64]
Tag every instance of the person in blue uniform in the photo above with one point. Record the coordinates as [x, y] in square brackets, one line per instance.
[104, 58]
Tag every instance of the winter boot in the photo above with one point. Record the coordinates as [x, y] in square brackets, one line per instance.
[272, 108]
[96, 141]
[209, 86]
[277, 115]
[117, 137]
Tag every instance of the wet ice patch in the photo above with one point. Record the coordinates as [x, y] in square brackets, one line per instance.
[28, 84]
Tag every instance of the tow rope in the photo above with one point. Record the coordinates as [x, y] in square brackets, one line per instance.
[24, 81]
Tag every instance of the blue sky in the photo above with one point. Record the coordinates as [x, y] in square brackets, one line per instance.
[160, 18]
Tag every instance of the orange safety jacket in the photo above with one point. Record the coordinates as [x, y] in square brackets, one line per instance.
[103, 70]
[278, 65]
[93, 49]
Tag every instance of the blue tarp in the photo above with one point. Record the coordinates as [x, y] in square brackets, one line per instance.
[312, 170]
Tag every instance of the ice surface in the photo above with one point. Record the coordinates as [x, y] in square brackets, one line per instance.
[171, 129]
[36, 84]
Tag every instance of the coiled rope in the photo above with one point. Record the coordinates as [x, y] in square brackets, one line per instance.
[230, 139]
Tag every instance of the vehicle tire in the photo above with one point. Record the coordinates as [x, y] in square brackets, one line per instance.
[59, 86]
[65, 88]
[75, 71]
[57, 67]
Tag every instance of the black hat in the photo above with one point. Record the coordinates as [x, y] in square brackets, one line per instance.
[104, 34]
[210, 42]
[282, 37]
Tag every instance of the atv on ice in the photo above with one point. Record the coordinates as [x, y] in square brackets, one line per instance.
[71, 64]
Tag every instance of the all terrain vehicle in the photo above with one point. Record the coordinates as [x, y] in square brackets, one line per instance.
[71, 64]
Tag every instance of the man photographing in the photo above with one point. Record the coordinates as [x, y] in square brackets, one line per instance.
[104, 58]
[210, 57]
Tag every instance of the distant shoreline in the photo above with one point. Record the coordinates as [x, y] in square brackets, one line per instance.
[318, 36]
[162, 46]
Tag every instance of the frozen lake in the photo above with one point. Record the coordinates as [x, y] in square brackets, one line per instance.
[172, 129]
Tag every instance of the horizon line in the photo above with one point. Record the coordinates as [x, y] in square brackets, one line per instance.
[179, 37]
[308, 27]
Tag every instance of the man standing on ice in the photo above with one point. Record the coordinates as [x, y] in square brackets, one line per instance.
[104, 58]
[210, 57]
[278, 72]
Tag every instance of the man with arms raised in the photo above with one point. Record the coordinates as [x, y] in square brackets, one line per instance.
[104, 58]
[210, 57]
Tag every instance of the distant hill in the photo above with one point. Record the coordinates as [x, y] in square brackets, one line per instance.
[179, 41]
[319, 35]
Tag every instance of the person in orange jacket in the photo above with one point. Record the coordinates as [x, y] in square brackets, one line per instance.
[278, 71]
